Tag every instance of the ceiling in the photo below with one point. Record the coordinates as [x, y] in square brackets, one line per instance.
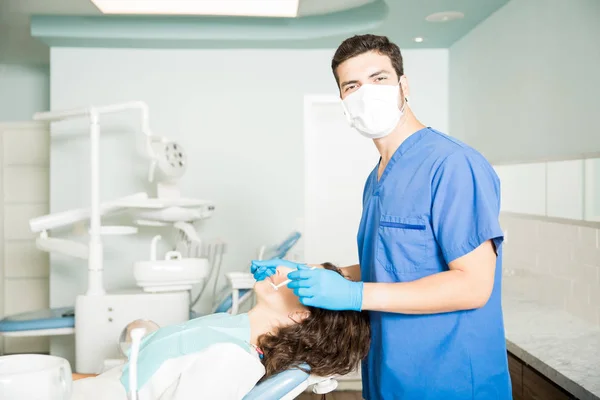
[402, 21]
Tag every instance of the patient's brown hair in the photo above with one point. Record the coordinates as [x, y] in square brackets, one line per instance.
[329, 342]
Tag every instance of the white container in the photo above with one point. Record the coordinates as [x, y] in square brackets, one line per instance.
[34, 377]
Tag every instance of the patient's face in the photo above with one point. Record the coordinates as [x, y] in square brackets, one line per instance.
[282, 300]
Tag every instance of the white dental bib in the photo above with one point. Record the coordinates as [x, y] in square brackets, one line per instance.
[222, 371]
[204, 358]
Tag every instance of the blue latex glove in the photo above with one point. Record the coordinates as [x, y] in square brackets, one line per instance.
[327, 289]
[263, 269]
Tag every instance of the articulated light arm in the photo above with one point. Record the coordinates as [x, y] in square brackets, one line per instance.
[95, 259]
[69, 218]
[65, 219]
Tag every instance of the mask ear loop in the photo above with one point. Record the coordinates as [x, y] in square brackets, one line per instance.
[404, 105]
[405, 97]
[346, 113]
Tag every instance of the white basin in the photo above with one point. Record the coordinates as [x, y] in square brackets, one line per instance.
[34, 377]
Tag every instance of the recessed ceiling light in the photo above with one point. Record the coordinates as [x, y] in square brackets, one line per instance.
[250, 8]
[418, 39]
[444, 16]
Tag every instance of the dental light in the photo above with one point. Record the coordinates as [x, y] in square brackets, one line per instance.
[168, 164]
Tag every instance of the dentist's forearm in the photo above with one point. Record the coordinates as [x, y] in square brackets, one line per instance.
[447, 291]
[352, 272]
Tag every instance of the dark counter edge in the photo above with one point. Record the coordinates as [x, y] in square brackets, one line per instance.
[567, 384]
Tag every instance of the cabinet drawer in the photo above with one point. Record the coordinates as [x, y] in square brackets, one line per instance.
[538, 387]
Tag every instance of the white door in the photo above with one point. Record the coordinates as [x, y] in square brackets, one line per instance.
[337, 163]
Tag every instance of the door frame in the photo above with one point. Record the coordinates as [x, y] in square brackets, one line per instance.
[308, 135]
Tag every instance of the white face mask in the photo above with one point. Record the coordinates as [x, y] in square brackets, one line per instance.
[373, 110]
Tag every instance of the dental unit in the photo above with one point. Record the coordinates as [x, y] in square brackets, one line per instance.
[109, 324]
[99, 317]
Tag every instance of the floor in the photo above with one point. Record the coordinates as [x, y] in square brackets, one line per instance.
[332, 396]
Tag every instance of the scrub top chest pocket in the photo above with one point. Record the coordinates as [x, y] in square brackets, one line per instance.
[405, 244]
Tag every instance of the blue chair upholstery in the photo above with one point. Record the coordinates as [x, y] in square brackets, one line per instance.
[286, 245]
[54, 318]
[278, 386]
[227, 303]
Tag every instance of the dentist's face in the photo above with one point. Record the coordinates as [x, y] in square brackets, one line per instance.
[371, 67]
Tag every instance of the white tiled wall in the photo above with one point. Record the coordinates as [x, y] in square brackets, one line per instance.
[24, 181]
[523, 188]
[557, 264]
[558, 189]
[565, 189]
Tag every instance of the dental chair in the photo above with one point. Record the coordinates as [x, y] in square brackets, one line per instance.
[284, 386]
[290, 384]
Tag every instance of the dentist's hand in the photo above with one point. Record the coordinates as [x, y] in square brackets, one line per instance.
[325, 289]
[263, 269]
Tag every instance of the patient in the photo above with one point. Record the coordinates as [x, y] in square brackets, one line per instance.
[330, 342]
[224, 356]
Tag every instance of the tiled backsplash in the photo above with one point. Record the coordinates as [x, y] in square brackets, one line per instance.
[24, 186]
[556, 264]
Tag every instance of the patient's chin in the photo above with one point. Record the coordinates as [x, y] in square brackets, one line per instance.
[263, 289]
[267, 295]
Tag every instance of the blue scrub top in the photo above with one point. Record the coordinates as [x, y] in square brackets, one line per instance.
[437, 200]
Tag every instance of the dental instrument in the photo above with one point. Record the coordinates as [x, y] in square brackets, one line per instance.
[242, 283]
[276, 287]
[190, 245]
[136, 340]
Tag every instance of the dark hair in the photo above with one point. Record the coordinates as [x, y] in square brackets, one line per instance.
[359, 44]
[329, 342]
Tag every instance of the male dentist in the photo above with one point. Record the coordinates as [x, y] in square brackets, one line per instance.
[429, 246]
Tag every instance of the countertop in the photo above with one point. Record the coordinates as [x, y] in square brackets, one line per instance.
[560, 346]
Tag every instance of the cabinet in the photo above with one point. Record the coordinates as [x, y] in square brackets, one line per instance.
[528, 384]
[24, 180]
[515, 368]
